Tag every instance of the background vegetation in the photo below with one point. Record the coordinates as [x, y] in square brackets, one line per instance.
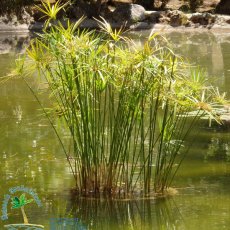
[94, 7]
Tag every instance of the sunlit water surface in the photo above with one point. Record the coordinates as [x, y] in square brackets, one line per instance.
[31, 156]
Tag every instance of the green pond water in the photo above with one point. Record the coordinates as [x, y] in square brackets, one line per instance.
[30, 155]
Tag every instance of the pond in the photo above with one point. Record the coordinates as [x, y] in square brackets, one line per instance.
[32, 156]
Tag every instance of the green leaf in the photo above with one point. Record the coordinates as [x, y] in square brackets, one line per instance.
[22, 198]
[29, 201]
[24, 201]
[15, 202]
[21, 201]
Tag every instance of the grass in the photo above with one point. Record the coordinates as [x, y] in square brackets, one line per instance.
[127, 108]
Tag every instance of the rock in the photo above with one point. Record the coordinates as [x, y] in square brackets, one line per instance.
[177, 18]
[189, 24]
[184, 8]
[152, 16]
[196, 25]
[89, 23]
[106, 11]
[25, 17]
[129, 13]
[222, 20]
[209, 26]
[164, 19]
[174, 18]
[75, 12]
[141, 26]
[38, 15]
[203, 19]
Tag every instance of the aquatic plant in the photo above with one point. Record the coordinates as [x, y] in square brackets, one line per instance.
[127, 108]
[50, 10]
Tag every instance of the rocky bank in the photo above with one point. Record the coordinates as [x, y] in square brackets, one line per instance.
[131, 16]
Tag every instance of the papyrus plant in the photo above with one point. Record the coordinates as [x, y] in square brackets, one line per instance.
[126, 107]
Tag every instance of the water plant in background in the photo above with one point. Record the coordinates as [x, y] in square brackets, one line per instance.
[127, 108]
[50, 11]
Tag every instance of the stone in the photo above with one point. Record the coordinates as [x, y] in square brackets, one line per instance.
[152, 16]
[177, 18]
[184, 8]
[141, 26]
[203, 18]
[196, 25]
[130, 13]
[75, 12]
[26, 17]
[89, 23]
[164, 18]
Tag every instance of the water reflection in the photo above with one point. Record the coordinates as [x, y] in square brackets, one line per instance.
[30, 155]
[209, 50]
[139, 214]
[13, 42]
[218, 149]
